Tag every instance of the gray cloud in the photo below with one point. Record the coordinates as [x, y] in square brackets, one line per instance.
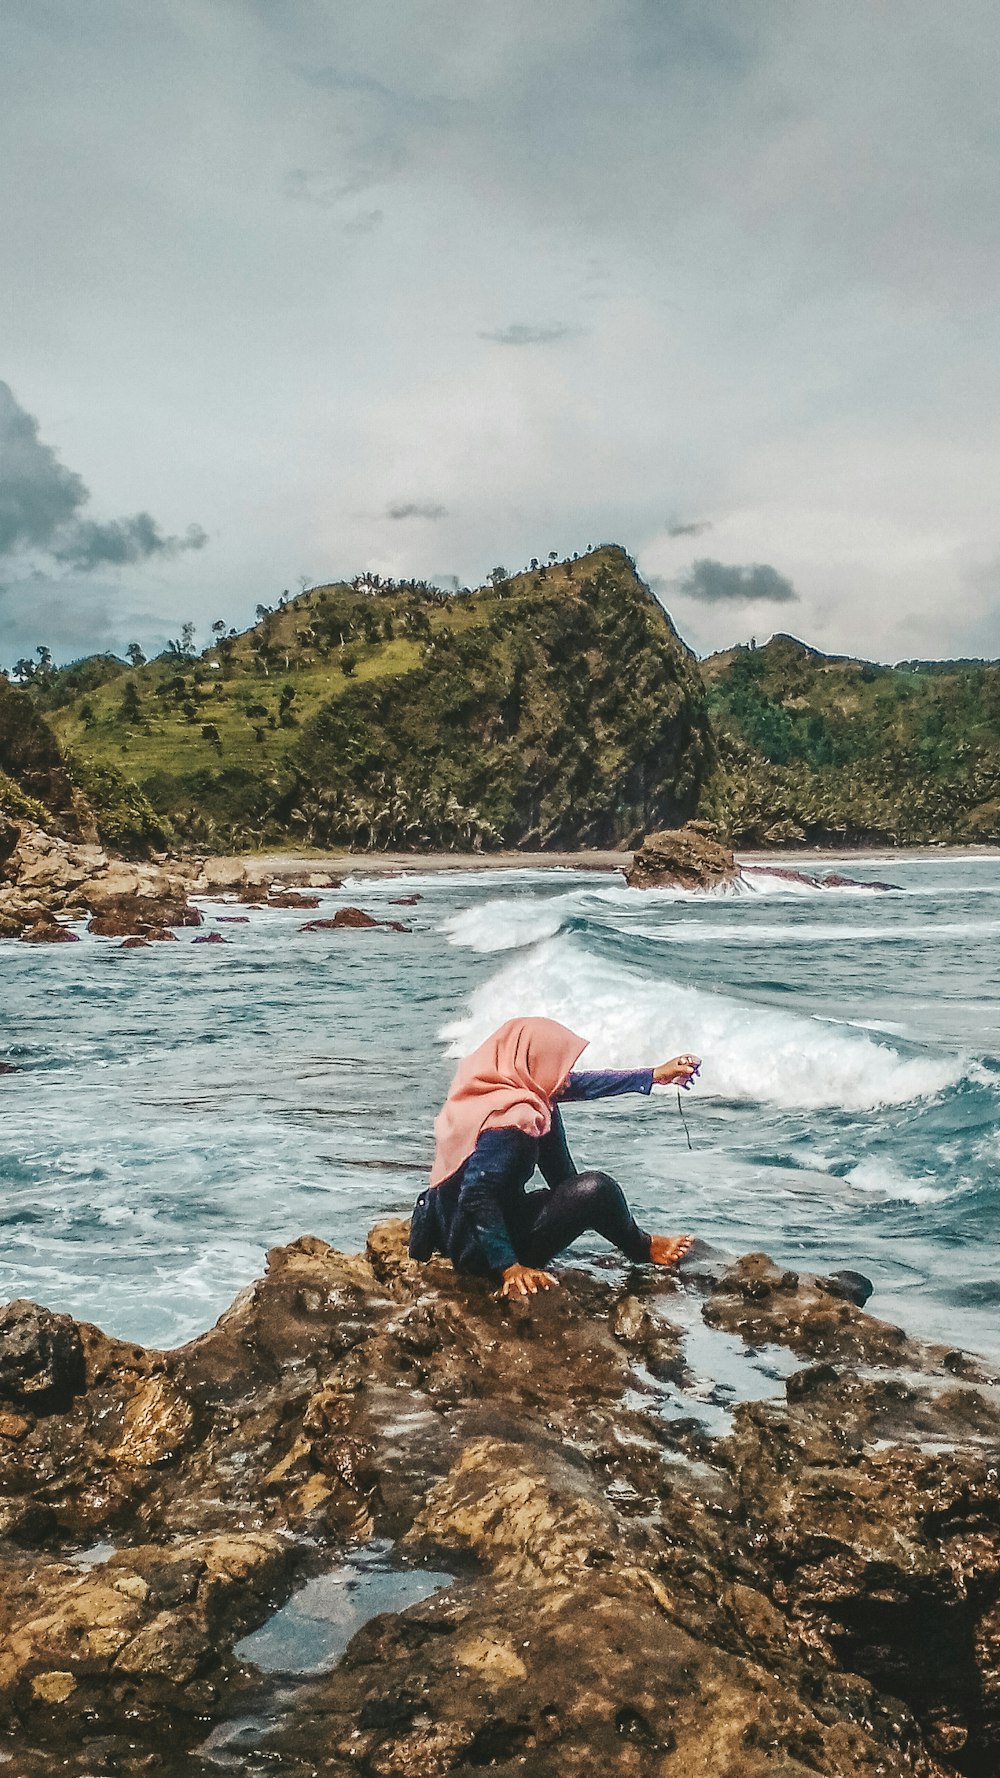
[519, 333]
[416, 509]
[716, 583]
[787, 212]
[695, 529]
[39, 496]
[89, 545]
[41, 501]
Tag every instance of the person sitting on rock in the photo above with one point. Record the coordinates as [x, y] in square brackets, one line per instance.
[500, 1120]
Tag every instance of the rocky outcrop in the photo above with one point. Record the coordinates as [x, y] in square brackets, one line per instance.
[43, 876]
[646, 1580]
[692, 857]
[352, 920]
[682, 858]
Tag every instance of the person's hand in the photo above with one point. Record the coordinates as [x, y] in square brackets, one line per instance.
[526, 1281]
[678, 1073]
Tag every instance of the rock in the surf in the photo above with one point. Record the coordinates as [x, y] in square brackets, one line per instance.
[681, 858]
[120, 916]
[352, 920]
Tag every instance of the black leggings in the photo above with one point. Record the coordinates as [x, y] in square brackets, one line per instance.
[547, 1221]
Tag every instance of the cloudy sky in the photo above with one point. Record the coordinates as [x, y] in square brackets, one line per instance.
[296, 287]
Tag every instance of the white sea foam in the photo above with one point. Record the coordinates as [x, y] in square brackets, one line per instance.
[506, 923]
[882, 1178]
[750, 1052]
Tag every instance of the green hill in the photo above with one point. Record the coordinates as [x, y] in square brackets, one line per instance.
[556, 708]
[553, 708]
[824, 749]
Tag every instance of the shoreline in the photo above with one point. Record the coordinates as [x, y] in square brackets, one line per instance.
[232, 867]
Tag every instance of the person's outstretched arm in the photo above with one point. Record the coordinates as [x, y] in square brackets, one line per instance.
[608, 1083]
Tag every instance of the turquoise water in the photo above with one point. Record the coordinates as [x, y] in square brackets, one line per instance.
[179, 1109]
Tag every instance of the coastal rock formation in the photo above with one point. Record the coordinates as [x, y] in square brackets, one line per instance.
[43, 876]
[649, 1576]
[352, 920]
[681, 858]
[691, 857]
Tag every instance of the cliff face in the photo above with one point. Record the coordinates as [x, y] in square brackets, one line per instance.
[553, 708]
[561, 711]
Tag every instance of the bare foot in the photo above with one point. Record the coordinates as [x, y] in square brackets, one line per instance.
[666, 1250]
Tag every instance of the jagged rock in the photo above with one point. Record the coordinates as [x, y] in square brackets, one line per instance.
[352, 919]
[853, 1287]
[122, 915]
[9, 836]
[290, 898]
[49, 932]
[819, 1591]
[681, 858]
[208, 938]
[253, 892]
[41, 1356]
[43, 876]
[808, 880]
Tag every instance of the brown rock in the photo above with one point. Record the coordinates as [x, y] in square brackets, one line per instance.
[354, 917]
[252, 892]
[49, 932]
[681, 858]
[819, 1591]
[135, 943]
[155, 1425]
[41, 1357]
[122, 915]
[290, 898]
[208, 938]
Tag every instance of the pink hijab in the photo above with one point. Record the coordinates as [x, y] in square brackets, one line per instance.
[509, 1082]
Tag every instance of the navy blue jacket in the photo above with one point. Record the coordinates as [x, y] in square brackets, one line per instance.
[468, 1216]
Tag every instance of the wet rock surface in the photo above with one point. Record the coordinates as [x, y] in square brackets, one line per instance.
[681, 858]
[352, 920]
[691, 857]
[721, 1525]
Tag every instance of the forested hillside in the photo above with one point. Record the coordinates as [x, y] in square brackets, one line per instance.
[555, 708]
[820, 749]
[552, 708]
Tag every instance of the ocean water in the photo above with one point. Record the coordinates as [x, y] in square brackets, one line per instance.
[178, 1110]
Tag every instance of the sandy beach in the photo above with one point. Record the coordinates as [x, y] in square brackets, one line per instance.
[292, 866]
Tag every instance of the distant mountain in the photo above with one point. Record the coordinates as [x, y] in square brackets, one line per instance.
[828, 750]
[554, 708]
